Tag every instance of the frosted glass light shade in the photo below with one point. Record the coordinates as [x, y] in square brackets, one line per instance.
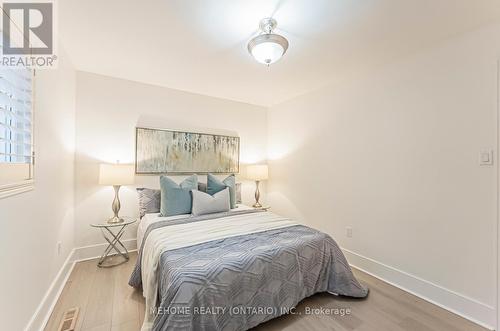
[116, 174]
[268, 48]
[258, 172]
[267, 52]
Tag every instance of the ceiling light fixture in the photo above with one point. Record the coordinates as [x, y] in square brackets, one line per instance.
[268, 47]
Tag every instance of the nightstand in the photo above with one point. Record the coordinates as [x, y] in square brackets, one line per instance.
[113, 232]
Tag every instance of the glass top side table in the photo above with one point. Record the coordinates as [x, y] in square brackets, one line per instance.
[113, 239]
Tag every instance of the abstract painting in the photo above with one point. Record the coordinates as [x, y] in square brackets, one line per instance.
[165, 151]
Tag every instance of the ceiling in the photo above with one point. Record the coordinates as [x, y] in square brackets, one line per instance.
[200, 45]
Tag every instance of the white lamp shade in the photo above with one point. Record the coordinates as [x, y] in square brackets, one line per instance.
[268, 52]
[258, 172]
[116, 174]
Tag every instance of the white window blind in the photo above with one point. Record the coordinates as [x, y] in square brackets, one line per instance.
[16, 129]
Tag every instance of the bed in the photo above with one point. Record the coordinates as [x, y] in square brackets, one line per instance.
[233, 270]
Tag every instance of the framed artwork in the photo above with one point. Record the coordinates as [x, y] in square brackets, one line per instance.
[176, 152]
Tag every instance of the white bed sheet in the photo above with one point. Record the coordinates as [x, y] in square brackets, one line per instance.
[149, 219]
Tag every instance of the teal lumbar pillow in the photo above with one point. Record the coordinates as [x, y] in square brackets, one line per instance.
[215, 185]
[176, 198]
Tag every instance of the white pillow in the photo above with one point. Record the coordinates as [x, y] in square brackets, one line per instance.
[204, 203]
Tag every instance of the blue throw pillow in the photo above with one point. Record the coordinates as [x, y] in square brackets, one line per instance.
[215, 185]
[176, 198]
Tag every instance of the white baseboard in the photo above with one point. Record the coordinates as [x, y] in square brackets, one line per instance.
[42, 313]
[457, 303]
[44, 310]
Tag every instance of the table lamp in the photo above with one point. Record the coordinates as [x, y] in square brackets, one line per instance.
[257, 172]
[116, 175]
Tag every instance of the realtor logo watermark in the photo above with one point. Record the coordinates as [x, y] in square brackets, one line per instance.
[28, 34]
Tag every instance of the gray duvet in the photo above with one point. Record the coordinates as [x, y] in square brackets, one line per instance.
[239, 282]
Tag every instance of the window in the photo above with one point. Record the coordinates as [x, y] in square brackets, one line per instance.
[16, 131]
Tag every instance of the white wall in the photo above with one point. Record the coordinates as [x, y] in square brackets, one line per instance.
[32, 223]
[109, 109]
[395, 155]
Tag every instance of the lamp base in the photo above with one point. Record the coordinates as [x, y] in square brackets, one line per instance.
[115, 219]
[116, 207]
[257, 195]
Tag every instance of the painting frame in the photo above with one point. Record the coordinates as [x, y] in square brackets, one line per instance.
[139, 171]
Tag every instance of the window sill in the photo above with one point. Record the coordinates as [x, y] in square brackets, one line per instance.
[16, 188]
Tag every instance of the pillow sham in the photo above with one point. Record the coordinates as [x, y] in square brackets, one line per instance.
[204, 203]
[176, 198]
[202, 187]
[149, 201]
[215, 185]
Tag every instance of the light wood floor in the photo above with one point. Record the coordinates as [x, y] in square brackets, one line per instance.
[108, 303]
